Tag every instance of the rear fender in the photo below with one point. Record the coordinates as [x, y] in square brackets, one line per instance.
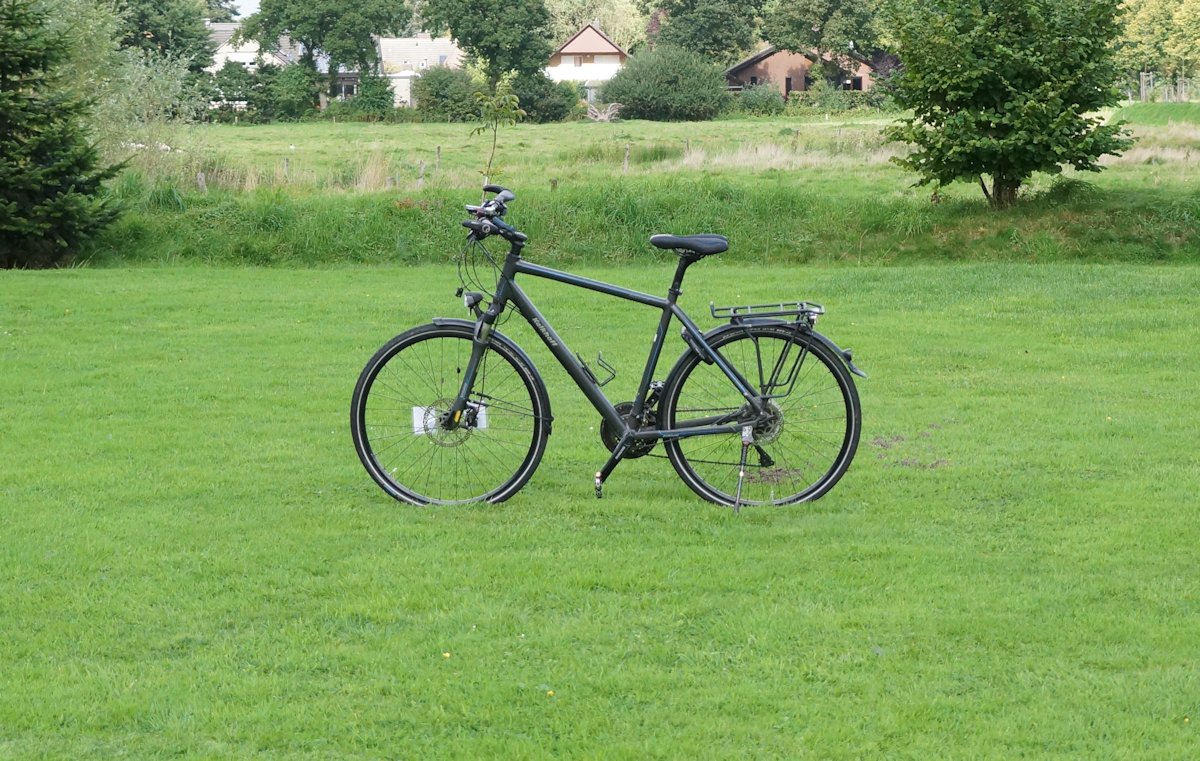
[846, 355]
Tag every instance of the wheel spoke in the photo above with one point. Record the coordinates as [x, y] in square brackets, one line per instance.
[418, 461]
[810, 432]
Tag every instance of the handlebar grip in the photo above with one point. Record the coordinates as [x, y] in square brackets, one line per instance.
[509, 232]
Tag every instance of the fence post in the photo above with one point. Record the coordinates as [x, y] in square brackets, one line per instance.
[628, 147]
[200, 181]
[421, 177]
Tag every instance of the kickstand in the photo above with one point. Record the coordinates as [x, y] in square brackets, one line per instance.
[747, 442]
[603, 474]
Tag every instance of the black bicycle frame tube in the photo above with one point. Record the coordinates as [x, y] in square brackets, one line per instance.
[507, 290]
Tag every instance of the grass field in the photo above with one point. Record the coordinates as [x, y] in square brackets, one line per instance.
[194, 564]
[792, 191]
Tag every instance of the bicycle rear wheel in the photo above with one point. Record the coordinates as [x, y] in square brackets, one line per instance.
[800, 453]
[411, 381]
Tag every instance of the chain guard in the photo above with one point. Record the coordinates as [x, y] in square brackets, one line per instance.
[637, 448]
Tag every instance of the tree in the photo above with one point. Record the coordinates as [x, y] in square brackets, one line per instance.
[620, 20]
[170, 28]
[1148, 26]
[1183, 44]
[500, 108]
[221, 10]
[1005, 88]
[49, 175]
[502, 37]
[342, 30]
[668, 84]
[838, 30]
[717, 29]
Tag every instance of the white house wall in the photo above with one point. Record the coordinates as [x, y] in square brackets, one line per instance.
[602, 69]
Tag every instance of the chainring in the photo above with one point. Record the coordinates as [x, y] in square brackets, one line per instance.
[637, 447]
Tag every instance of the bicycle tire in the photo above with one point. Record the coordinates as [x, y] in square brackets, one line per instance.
[417, 374]
[797, 459]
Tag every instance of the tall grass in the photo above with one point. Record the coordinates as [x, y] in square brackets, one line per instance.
[782, 190]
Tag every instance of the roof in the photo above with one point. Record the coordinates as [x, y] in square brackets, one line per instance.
[771, 50]
[587, 40]
[220, 32]
[422, 51]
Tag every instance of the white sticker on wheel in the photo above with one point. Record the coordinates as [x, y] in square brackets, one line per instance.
[425, 419]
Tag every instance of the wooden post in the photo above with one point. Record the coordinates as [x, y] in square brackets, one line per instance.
[200, 181]
[438, 166]
[286, 168]
[421, 177]
[628, 147]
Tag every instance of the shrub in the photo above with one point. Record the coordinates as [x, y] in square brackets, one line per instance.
[825, 98]
[446, 95]
[375, 98]
[668, 84]
[763, 99]
[543, 99]
[293, 92]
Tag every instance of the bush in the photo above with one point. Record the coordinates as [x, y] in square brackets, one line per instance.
[543, 99]
[668, 84]
[825, 98]
[293, 92]
[375, 99]
[446, 95]
[763, 99]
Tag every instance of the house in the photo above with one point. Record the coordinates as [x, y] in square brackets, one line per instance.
[790, 72]
[589, 57]
[248, 53]
[403, 59]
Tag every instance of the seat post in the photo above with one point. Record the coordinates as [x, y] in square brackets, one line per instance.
[685, 260]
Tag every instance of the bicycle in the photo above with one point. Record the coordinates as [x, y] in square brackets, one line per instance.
[760, 410]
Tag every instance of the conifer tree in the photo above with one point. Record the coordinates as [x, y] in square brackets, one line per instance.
[50, 176]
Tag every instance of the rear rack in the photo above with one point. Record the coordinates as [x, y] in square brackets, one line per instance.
[783, 309]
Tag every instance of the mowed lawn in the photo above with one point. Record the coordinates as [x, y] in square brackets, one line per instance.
[194, 564]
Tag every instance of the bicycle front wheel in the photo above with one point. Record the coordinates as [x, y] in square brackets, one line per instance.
[398, 403]
[804, 447]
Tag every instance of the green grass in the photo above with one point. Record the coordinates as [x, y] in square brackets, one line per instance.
[783, 190]
[195, 565]
[1160, 113]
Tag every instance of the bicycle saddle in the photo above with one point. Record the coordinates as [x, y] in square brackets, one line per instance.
[696, 244]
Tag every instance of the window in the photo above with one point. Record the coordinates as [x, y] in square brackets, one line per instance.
[578, 60]
[787, 85]
[753, 81]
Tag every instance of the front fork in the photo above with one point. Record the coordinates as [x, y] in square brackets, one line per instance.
[461, 411]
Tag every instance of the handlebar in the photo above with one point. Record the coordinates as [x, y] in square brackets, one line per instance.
[489, 217]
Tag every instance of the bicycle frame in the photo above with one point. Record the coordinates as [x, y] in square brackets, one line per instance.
[507, 291]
